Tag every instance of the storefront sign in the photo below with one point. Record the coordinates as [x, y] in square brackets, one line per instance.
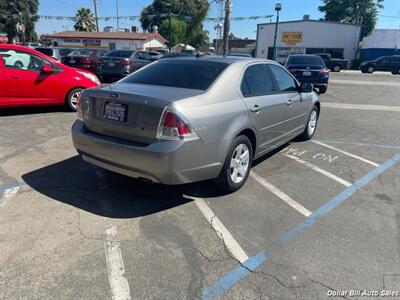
[291, 38]
[84, 42]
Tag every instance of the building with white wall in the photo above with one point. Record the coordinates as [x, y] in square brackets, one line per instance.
[108, 40]
[341, 40]
[382, 42]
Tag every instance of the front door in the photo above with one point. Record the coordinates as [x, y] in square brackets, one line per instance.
[266, 106]
[24, 82]
[297, 105]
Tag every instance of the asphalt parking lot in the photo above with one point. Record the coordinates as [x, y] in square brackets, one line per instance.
[314, 217]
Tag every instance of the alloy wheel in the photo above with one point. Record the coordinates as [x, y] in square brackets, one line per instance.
[239, 163]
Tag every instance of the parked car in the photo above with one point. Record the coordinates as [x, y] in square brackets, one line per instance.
[31, 78]
[85, 59]
[117, 64]
[52, 52]
[309, 68]
[191, 119]
[335, 64]
[384, 63]
[155, 55]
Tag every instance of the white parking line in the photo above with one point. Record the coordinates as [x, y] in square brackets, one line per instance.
[364, 82]
[115, 266]
[346, 153]
[301, 209]
[318, 169]
[231, 244]
[361, 106]
[8, 194]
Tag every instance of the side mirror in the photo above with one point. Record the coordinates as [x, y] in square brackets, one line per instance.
[47, 69]
[306, 88]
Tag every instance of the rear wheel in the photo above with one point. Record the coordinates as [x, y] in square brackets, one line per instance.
[337, 68]
[309, 131]
[370, 69]
[237, 165]
[72, 98]
[18, 64]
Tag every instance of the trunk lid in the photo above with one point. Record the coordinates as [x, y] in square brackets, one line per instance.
[143, 106]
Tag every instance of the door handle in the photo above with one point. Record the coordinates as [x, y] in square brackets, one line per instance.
[255, 109]
[289, 102]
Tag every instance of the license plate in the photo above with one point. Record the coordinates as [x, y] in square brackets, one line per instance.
[115, 111]
[307, 73]
[72, 61]
[111, 64]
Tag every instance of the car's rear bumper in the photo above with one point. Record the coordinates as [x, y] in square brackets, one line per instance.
[167, 162]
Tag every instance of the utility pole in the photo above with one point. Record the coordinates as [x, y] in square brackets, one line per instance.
[95, 14]
[117, 15]
[278, 8]
[227, 26]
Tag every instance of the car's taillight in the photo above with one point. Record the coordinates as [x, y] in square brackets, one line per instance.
[174, 127]
[85, 60]
[324, 72]
[125, 62]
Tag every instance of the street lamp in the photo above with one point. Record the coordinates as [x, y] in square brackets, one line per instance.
[278, 8]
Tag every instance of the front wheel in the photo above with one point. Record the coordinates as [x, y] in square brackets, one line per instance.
[309, 131]
[370, 69]
[237, 165]
[72, 98]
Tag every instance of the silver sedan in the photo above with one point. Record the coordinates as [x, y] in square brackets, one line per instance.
[190, 119]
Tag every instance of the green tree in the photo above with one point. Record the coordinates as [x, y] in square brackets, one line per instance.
[178, 30]
[14, 11]
[84, 20]
[363, 12]
[192, 12]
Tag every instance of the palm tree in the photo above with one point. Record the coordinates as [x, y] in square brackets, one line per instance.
[84, 20]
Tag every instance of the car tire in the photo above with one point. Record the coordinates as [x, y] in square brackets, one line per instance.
[237, 165]
[322, 89]
[370, 69]
[311, 126]
[18, 64]
[337, 68]
[72, 98]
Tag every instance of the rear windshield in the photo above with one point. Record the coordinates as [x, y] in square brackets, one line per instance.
[120, 53]
[65, 51]
[305, 60]
[188, 74]
[84, 53]
[46, 51]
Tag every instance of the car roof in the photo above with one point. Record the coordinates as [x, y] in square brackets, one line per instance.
[298, 54]
[224, 59]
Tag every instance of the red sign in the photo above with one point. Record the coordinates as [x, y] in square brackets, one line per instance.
[3, 39]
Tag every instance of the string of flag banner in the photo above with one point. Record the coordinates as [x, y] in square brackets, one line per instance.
[133, 18]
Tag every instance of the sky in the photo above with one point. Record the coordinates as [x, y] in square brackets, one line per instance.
[291, 10]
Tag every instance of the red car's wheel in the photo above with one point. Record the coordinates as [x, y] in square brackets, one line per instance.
[72, 98]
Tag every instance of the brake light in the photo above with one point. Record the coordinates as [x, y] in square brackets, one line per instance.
[125, 62]
[324, 72]
[173, 127]
[85, 60]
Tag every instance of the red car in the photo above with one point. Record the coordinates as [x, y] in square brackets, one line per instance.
[30, 78]
[85, 59]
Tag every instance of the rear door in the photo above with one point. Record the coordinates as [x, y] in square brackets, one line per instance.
[297, 105]
[265, 105]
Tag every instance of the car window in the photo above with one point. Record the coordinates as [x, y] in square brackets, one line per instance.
[82, 52]
[308, 60]
[22, 60]
[256, 81]
[285, 81]
[46, 51]
[188, 74]
[120, 53]
[143, 55]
